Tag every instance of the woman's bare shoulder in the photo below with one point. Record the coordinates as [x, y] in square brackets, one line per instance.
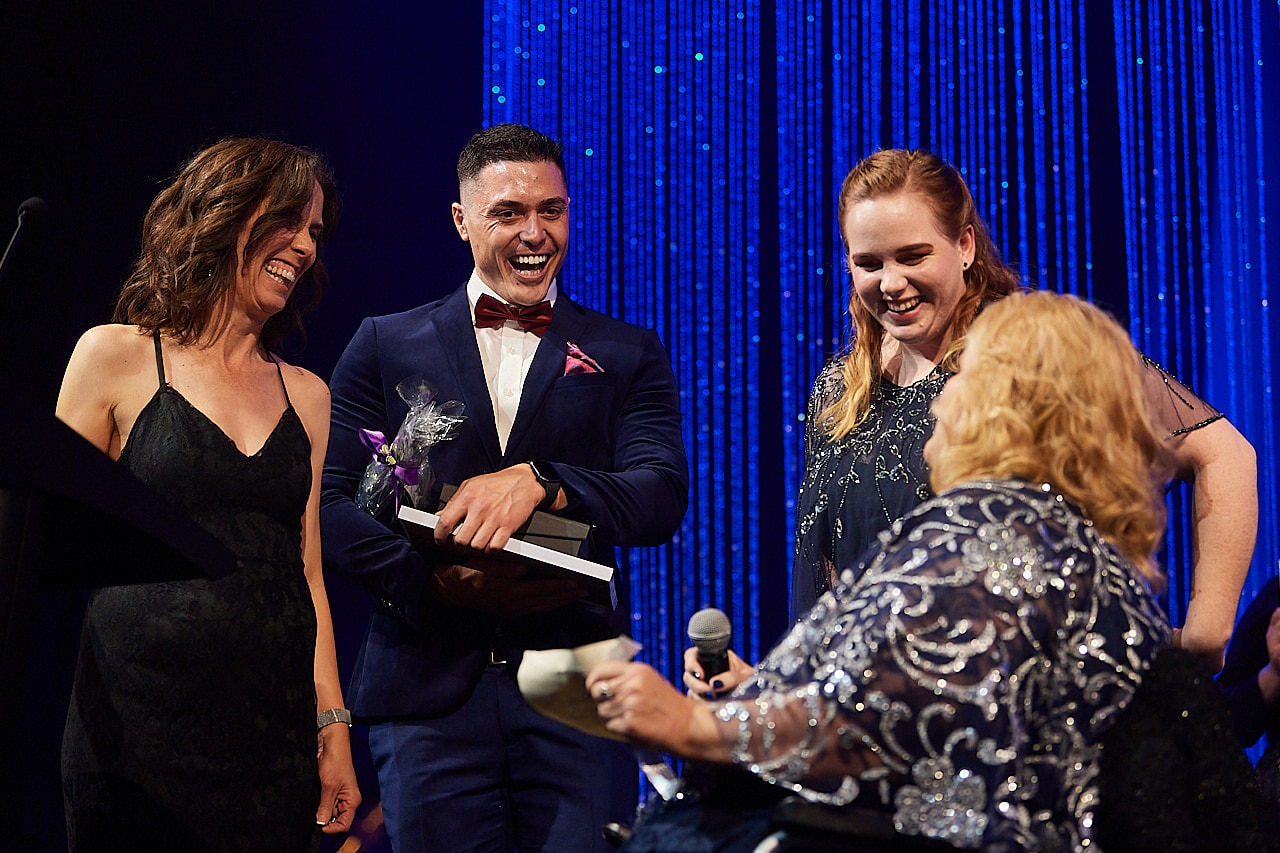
[114, 342]
[109, 378]
[303, 380]
[308, 392]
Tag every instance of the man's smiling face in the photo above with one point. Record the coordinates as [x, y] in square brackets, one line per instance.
[515, 215]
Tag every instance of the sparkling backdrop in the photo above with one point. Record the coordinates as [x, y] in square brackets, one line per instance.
[1117, 152]
[658, 110]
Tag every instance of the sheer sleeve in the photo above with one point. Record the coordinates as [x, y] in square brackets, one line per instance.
[1175, 409]
[826, 390]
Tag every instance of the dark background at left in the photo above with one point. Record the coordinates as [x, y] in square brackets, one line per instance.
[99, 105]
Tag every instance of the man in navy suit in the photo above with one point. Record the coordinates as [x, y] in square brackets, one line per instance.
[566, 410]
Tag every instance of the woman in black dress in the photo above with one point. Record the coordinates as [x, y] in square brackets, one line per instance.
[193, 720]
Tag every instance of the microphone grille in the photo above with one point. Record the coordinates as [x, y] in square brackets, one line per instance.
[709, 624]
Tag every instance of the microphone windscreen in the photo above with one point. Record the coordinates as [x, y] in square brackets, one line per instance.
[35, 205]
[709, 630]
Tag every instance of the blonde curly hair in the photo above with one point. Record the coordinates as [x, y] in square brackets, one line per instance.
[1050, 390]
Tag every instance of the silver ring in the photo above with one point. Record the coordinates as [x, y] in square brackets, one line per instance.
[604, 690]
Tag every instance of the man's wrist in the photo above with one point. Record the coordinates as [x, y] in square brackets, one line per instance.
[547, 477]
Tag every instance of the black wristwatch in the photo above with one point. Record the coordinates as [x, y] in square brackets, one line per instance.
[546, 475]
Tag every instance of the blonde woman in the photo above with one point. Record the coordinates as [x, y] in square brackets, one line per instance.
[954, 687]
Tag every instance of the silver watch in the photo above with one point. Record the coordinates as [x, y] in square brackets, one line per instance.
[331, 716]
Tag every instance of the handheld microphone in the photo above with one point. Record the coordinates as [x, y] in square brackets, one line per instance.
[34, 205]
[710, 632]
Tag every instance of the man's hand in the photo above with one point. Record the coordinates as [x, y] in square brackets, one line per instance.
[499, 587]
[486, 510]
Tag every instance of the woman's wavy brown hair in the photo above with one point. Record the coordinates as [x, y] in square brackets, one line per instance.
[186, 269]
[1051, 392]
[988, 278]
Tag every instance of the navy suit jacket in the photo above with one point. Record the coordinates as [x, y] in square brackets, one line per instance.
[614, 439]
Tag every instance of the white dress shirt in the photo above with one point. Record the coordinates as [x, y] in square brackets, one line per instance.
[506, 352]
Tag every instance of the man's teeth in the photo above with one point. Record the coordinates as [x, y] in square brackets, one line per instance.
[529, 262]
[903, 306]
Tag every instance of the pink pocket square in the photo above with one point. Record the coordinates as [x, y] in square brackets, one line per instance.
[576, 361]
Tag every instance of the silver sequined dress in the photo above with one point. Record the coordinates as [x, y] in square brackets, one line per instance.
[961, 678]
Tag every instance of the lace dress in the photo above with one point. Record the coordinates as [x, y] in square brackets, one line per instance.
[192, 721]
[958, 684]
[855, 488]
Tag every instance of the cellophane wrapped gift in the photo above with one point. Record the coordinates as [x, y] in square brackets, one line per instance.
[400, 466]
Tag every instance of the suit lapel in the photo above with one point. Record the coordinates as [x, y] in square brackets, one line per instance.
[452, 327]
[548, 366]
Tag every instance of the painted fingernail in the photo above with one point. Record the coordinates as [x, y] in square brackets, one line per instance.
[717, 684]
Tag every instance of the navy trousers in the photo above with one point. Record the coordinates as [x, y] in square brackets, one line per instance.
[496, 775]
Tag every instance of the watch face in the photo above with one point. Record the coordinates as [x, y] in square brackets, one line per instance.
[549, 484]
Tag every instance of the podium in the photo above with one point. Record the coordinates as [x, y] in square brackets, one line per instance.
[72, 519]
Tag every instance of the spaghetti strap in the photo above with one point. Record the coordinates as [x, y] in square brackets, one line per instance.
[283, 387]
[159, 358]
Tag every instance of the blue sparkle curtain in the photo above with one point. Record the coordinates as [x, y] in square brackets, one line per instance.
[658, 111]
[1116, 150]
[1190, 89]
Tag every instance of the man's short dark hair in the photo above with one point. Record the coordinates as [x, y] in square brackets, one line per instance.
[507, 142]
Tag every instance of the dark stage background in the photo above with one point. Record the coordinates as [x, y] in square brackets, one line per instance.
[705, 144]
[100, 103]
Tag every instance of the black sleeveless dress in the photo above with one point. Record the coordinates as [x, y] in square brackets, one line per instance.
[192, 719]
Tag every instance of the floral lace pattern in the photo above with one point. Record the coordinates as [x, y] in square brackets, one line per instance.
[962, 676]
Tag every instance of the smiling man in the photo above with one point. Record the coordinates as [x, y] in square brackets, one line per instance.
[567, 410]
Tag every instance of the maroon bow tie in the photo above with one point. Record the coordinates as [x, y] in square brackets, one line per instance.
[490, 313]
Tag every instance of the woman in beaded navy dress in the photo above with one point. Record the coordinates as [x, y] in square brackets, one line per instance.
[194, 713]
[957, 683]
[922, 266]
